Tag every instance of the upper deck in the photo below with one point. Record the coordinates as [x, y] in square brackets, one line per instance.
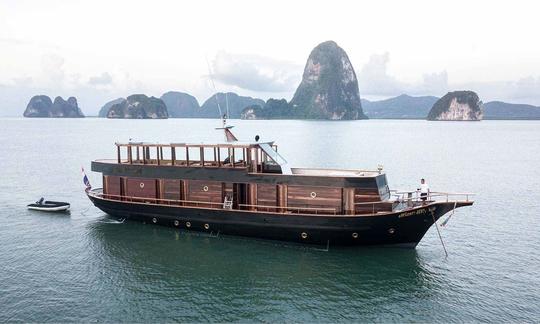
[254, 157]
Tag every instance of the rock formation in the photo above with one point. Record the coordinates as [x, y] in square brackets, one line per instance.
[181, 105]
[400, 107]
[457, 105]
[504, 110]
[139, 106]
[329, 88]
[236, 103]
[272, 109]
[42, 106]
[105, 109]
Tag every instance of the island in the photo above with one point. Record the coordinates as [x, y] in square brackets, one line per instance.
[235, 103]
[106, 107]
[139, 106]
[181, 105]
[457, 106]
[328, 90]
[43, 107]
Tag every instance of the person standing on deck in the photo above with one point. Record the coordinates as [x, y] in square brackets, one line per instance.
[424, 190]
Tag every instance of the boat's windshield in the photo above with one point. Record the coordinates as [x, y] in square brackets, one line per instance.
[276, 157]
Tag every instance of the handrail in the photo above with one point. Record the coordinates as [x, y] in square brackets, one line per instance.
[197, 203]
[291, 207]
[431, 194]
[97, 194]
[193, 145]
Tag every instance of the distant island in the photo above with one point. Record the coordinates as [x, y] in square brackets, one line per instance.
[183, 105]
[328, 91]
[400, 107]
[409, 107]
[43, 107]
[105, 109]
[139, 106]
[457, 106]
[503, 110]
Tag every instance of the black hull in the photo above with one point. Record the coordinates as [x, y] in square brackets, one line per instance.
[404, 229]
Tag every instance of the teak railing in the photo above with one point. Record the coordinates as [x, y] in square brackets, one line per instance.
[194, 155]
[215, 205]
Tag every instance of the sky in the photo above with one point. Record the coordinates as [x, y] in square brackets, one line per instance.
[101, 50]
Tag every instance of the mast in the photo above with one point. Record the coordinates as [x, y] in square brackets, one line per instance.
[229, 136]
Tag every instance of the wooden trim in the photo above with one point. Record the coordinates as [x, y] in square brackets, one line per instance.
[282, 195]
[348, 201]
[201, 157]
[184, 188]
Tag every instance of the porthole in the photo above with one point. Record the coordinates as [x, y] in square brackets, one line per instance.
[354, 235]
[206, 226]
[141, 185]
[304, 235]
[188, 224]
[313, 194]
[205, 188]
[391, 230]
[154, 220]
[176, 223]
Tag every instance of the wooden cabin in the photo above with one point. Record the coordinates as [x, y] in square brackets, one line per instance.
[238, 176]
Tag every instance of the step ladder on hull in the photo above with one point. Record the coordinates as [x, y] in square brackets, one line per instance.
[228, 202]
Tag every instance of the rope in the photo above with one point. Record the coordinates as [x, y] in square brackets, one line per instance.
[439, 232]
[443, 224]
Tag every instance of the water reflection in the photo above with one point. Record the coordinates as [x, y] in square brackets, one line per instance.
[231, 271]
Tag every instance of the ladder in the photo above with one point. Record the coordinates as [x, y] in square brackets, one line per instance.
[228, 202]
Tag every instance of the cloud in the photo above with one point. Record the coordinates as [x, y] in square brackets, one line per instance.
[256, 73]
[13, 41]
[524, 90]
[103, 79]
[374, 79]
[52, 67]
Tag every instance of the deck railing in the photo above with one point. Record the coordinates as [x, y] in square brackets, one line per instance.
[311, 210]
[236, 155]
[216, 205]
[432, 195]
[409, 199]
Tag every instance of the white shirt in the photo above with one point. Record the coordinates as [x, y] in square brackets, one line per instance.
[424, 188]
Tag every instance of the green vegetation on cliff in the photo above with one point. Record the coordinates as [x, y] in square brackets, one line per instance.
[457, 105]
[139, 106]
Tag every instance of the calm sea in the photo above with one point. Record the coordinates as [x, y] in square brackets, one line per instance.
[88, 267]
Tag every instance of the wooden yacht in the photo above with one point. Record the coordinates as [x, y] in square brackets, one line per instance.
[248, 189]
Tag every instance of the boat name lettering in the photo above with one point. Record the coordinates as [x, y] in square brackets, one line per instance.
[414, 212]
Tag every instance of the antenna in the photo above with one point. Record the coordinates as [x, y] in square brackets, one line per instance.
[227, 103]
[215, 91]
[229, 136]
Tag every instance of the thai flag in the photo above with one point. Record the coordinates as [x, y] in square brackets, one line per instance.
[86, 181]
